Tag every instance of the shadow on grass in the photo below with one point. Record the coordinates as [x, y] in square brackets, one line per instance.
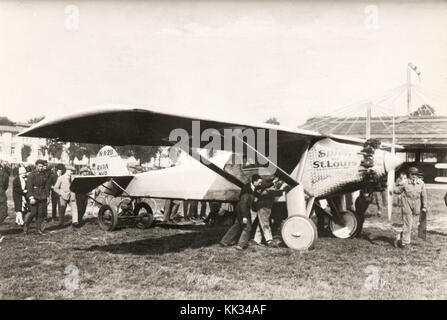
[374, 238]
[166, 244]
[437, 233]
[13, 231]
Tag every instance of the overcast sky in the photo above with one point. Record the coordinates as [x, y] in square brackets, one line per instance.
[244, 60]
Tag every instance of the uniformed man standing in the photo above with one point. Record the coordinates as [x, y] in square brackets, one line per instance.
[38, 186]
[414, 202]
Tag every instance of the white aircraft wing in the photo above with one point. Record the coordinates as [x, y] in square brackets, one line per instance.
[125, 125]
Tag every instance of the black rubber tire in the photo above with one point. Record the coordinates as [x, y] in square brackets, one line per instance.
[146, 219]
[111, 225]
[352, 233]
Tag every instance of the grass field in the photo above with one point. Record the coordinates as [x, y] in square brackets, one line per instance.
[186, 262]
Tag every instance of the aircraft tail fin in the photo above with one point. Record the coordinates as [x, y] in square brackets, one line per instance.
[109, 163]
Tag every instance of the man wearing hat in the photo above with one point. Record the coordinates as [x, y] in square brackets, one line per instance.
[38, 188]
[66, 196]
[19, 195]
[414, 202]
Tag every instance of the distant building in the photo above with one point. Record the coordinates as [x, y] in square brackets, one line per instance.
[11, 145]
[424, 138]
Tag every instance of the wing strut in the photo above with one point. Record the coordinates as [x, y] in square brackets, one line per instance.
[284, 176]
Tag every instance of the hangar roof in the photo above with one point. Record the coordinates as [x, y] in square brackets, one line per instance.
[413, 132]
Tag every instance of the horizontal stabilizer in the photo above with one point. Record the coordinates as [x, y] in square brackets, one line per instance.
[85, 184]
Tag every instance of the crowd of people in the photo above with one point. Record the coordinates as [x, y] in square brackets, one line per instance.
[34, 188]
[257, 198]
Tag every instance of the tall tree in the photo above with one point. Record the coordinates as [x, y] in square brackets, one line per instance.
[26, 152]
[142, 153]
[54, 148]
[79, 150]
[424, 110]
[35, 119]
[272, 120]
[4, 121]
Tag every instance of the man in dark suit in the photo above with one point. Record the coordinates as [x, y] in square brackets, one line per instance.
[242, 223]
[4, 182]
[38, 186]
[19, 195]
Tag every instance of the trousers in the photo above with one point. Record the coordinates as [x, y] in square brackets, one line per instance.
[408, 220]
[63, 207]
[263, 227]
[3, 210]
[38, 211]
[81, 203]
[238, 229]
[55, 204]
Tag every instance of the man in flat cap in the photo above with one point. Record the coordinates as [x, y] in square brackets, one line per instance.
[67, 197]
[414, 202]
[38, 188]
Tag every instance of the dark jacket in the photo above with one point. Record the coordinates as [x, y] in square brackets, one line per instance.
[4, 182]
[267, 197]
[53, 178]
[17, 194]
[246, 198]
[38, 185]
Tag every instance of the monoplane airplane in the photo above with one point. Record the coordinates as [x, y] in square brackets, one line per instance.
[315, 166]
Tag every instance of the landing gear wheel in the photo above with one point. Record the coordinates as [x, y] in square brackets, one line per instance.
[144, 214]
[107, 218]
[350, 227]
[125, 208]
[299, 232]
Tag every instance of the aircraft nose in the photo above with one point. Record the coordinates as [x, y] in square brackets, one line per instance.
[392, 161]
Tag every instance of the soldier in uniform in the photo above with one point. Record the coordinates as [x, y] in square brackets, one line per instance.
[414, 202]
[38, 186]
